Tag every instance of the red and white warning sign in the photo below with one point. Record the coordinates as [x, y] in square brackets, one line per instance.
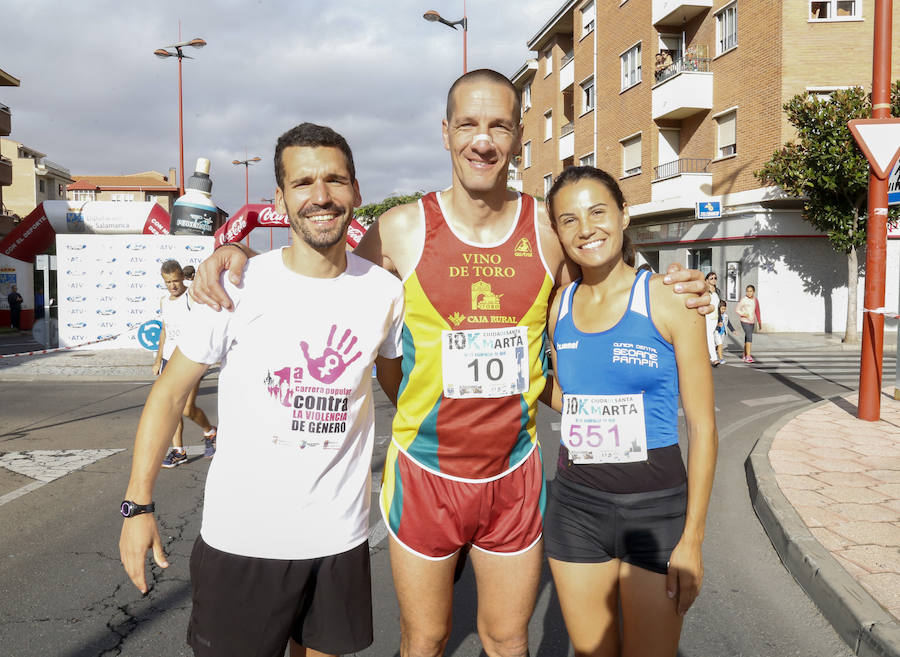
[879, 140]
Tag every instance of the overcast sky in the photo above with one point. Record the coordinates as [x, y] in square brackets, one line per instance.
[95, 99]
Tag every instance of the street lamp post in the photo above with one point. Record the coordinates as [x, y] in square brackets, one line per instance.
[434, 17]
[163, 53]
[246, 164]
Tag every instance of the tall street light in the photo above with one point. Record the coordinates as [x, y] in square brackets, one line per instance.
[164, 53]
[246, 164]
[434, 17]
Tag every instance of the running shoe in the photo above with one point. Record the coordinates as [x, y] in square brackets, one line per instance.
[174, 458]
[749, 359]
[209, 443]
[721, 361]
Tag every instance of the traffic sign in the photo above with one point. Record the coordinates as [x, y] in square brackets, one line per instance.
[894, 185]
[879, 140]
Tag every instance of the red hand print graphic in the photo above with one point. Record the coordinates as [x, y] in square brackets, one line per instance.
[331, 364]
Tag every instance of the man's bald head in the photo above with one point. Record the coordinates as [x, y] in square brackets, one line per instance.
[484, 76]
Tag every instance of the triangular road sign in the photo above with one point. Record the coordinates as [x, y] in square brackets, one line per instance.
[879, 140]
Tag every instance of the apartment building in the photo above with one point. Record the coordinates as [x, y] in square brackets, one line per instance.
[681, 100]
[145, 186]
[35, 178]
[6, 174]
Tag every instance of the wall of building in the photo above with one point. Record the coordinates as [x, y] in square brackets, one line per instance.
[21, 197]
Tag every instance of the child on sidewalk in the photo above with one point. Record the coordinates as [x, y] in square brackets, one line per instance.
[721, 325]
[175, 314]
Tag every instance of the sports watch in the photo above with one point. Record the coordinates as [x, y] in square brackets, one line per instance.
[130, 509]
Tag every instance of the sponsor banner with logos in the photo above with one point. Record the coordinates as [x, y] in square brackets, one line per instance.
[110, 285]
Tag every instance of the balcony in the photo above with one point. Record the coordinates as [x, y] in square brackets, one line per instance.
[5, 120]
[677, 12]
[683, 178]
[514, 179]
[567, 141]
[6, 172]
[567, 71]
[683, 88]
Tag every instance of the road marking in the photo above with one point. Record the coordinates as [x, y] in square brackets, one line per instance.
[49, 464]
[763, 401]
[377, 534]
[46, 465]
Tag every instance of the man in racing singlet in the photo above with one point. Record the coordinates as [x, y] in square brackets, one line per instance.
[478, 265]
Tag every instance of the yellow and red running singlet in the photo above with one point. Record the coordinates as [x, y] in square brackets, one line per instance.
[460, 286]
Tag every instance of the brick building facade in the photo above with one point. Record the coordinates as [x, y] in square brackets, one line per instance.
[681, 100]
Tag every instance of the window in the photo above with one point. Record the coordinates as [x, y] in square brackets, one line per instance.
[526, 97]
[548, 61]
[152, 198]
[548, 183]
[726, 133]
[823, 93]
[122, 197]
[631, 156]
[587, 160]
[835, 10]
[631, 67]
[726, 29]
[83, 195]
[526, 154]
[41, 186]
[588, 16]
[587, 95]
[700, 259]
[548, 125]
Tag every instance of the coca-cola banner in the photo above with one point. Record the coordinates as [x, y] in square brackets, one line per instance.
[256, 215]
[34, 234]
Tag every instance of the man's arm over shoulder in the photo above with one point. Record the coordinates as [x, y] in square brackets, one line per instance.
[207, 287]
[394, 240]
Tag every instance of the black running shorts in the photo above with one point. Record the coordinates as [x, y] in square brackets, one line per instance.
[248, 606]
[586, 525]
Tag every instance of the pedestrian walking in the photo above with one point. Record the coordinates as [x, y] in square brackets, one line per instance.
[748, 312]
[721, 326]
[712, 280]
[175, 308]
[14, 299]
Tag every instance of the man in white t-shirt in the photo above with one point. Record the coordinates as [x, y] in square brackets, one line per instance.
[175, 314]
[282, 551]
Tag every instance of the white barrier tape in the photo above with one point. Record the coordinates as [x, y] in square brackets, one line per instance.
[882, 311]
[74, 346]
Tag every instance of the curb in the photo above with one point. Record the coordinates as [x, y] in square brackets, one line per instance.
[858, 619]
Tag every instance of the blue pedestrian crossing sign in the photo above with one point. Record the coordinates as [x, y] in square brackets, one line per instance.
[894, 185]
[709, 210]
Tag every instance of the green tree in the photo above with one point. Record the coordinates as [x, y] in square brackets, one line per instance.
[367, 214]
[824, 166]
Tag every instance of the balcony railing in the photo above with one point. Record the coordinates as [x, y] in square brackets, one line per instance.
[514, 174]
[687, 63]
[567, 129]
[678, 167]
[568, 57]
[567, 71]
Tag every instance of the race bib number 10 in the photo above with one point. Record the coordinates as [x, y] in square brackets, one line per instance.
[604, 428]
[485, 362]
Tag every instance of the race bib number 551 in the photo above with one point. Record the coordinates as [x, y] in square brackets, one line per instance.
[485, 362]
[604, 428]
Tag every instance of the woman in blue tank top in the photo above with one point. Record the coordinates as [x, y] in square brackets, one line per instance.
[625, 522]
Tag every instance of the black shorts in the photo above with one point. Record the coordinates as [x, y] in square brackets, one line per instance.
[586, 525]
[249, 606]
[748, 331]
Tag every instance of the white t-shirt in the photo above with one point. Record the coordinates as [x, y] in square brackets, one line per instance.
[291, 477]
[176, 315]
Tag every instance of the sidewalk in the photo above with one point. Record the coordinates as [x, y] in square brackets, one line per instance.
[826, 488]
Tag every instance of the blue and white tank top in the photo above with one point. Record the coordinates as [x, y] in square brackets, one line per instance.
[631, 357]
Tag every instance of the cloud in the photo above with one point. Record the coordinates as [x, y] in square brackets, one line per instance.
[96, 100]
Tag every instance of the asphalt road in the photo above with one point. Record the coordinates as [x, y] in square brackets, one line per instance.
[64, 593]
